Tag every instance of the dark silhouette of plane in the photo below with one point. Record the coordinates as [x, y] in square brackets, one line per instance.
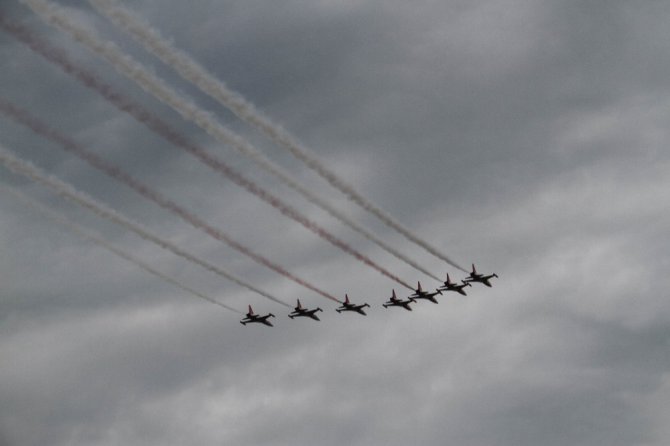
[300, 311]
[252, 317]
[453, 286]
[395, 302]
[481, 278]
[348, 306]
[421, 294]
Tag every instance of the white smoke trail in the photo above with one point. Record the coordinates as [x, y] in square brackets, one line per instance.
[129, 67]
[88, 235]
[27, 169]
[190, 70]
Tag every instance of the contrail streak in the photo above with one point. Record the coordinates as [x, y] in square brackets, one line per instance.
[23, 117]
[196, 74]
[65, 190]
[190, 70]
[51, 15]
[88, 235]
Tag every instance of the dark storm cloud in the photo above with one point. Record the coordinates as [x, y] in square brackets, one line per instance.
[529, 137]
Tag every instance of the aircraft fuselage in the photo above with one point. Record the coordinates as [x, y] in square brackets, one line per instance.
[351, 307]
[481, 279]
[250, 319]
[399, 303]
[305, 313]
[448, 286]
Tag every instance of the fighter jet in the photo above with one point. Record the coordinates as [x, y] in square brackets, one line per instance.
[348, 306]
[453, 286]
[421, 294]
[300, 311]
[477, 277]
[252, 317]
[395, 302]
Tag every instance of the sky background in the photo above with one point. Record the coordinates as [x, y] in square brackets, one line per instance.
[529, 137]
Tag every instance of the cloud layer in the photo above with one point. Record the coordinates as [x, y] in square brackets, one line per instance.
[527, 137]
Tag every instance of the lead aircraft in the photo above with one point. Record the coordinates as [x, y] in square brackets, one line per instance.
[252, 317]
[453, 286]
[421, 294]
[395, 302]
[481, 278]
[300, 311]
[348, 306]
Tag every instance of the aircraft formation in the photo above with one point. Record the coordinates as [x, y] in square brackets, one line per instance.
[159, 89]
[394, 301]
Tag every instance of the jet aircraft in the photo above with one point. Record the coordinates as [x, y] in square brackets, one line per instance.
[301, 311]
[252, 317]
[421, 294]
[348, 306]
[453, 286]
[481, 278]
[395, 302]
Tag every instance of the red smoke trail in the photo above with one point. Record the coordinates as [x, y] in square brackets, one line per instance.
[160, 127]
[23, 117]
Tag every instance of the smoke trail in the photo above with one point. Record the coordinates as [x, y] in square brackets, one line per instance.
[138, 112]
[190, 70]
[65, 190]
[136, 72]
[88, 235]
[196, 74]
[23, 117]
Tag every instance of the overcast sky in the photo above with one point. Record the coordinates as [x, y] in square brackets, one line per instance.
[529, 137]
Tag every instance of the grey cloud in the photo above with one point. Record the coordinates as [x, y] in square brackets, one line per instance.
[527, 137]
